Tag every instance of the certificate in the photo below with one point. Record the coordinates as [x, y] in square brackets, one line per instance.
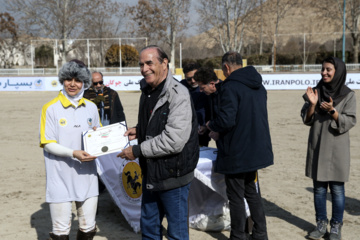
[105, 140]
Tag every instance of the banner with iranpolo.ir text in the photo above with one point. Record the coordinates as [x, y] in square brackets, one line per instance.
[118, 83]
[132, 83]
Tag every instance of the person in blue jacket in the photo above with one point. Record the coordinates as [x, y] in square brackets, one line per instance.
[244, 143]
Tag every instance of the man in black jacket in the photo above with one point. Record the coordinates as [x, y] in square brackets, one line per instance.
[200, 100]
[244, 143]
[107, 100]
[208, 83]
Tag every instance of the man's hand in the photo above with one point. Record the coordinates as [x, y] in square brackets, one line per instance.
[83, 156]
[207, 125]
[214, 135]
[202, 130]
[98, 99]
[131, 133]
[127, 154]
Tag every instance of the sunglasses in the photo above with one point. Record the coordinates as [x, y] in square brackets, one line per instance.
[97, 83]
[189, 79]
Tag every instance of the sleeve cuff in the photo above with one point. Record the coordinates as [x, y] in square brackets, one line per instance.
[137, 151]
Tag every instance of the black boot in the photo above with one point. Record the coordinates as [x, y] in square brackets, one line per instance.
[58, 237]
[86, 235]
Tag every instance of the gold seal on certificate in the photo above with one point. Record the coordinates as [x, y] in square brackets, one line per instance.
[105, 140]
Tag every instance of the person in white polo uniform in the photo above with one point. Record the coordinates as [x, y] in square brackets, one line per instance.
[70, 172]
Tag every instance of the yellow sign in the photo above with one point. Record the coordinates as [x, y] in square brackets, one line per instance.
[132, 179]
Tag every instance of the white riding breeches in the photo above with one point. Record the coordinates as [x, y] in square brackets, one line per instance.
[61, 216]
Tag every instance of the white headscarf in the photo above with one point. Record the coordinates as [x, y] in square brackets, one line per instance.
[74, 99]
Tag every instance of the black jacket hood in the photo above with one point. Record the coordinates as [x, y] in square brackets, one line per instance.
[247, 76]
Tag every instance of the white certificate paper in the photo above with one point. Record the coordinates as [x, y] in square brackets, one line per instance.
[105, 140]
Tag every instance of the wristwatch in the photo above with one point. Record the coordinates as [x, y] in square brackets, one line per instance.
[332, 111]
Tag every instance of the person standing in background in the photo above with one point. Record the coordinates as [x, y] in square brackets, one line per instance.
[330, 111]
[244, 144]
[200, 100]
[209, 84]
[107, 100]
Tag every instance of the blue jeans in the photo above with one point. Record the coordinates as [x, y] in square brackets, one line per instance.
[172, 203]
[337, 190]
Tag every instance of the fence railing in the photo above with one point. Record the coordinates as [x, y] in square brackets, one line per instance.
[53, 71]
[136, 70]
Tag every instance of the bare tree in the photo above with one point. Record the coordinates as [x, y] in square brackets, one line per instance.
[59, 19]
[334, 10]
[280, 9]
[224, 21]
[352, 16]
[261, 27]
[8, 39]
[160, 21]
[103, 21]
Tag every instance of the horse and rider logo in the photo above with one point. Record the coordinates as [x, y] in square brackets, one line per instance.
[132, 180]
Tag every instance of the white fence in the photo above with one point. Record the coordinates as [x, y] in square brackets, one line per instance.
[136, 70]
[54, 71]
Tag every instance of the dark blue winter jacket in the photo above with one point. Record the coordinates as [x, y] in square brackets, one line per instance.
[244, 144]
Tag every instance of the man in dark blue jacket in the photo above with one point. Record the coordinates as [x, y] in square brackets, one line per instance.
[200, 100]
[244, 143]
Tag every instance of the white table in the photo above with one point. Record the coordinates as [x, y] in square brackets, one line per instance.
[207, 197]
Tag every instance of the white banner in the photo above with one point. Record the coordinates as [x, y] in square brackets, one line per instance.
[118, 83]
[123, 181]
[302, 81]
[208, 207]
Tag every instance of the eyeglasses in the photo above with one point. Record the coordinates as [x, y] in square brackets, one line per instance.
[189, 79]
[97, 83]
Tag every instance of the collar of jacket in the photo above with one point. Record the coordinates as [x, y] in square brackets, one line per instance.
[170, 83]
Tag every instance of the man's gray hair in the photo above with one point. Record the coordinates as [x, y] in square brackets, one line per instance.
[232, 58]
[77, 70]
[161, 53]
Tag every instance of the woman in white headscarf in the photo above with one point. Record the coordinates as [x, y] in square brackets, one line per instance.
[70, 171]
[330, 111]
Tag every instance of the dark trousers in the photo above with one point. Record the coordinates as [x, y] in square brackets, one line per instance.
[238, 187]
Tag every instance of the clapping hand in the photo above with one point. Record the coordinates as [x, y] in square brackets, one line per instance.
[327, 106]
[312, 95]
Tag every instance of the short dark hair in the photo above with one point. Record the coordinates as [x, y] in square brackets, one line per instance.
[161, 53]
[190, 67]
[205, 75]
[232, 58]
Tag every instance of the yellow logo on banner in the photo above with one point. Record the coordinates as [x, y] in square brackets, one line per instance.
[132, 180]
[63, 122]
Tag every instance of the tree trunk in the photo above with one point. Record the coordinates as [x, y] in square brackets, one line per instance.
[173, 43]
[356, 47]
